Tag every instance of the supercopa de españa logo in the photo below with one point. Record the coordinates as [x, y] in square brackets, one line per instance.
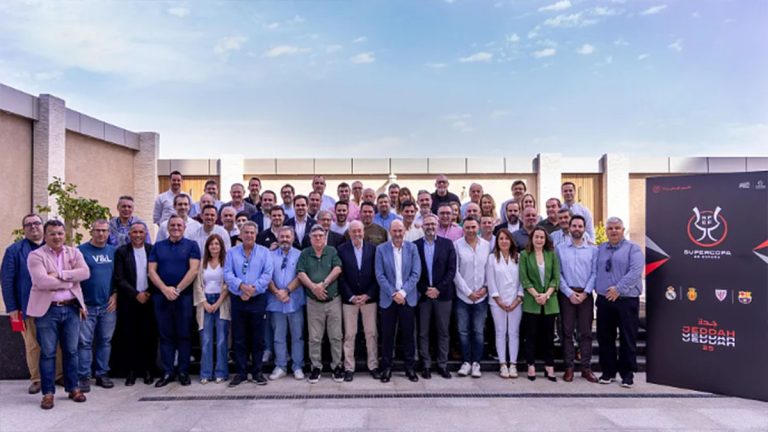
[707, 229]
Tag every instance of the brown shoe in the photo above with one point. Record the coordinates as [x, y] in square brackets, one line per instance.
[588, 375]
[34, 388]
[47, 402]
[77, 396]
[568, 375]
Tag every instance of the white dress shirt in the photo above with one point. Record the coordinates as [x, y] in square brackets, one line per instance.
[470, 268]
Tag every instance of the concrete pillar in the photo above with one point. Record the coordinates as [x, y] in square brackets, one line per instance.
[48, 149]
[549, 176]
[231, 171]
[616, 187]
[145, 183]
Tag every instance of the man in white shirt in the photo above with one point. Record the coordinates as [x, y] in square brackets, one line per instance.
[412, 232]
[472, 305]
[182, 204]
[209, 227]
[164, 205]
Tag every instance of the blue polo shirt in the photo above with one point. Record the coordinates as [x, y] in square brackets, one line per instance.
[172, 260]
[101, 262]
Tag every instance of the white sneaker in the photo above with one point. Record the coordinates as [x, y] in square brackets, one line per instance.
[476, 370]
[513, 371]
[298, 374]
[277, 374]
[465, 369]
[504, 371]
[266, 356]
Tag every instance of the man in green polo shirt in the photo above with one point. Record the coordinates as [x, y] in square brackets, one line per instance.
[318, 268]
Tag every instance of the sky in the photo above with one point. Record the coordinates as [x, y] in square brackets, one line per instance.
[404, 78]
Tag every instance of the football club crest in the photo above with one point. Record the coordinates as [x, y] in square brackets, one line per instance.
[745, 297]
[721, 294]
[670, 294]
[692, 294]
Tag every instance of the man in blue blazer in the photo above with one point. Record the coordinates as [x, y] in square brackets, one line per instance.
[302, 223]
[436, 292]
[397, 269]
[359, 294]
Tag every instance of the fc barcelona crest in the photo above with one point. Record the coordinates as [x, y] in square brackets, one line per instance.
[745, 297]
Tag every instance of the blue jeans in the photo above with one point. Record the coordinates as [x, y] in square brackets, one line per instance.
[60, 324]
[269, 336]
[281, 323]
[470, 321]
[212, 322]
[96, 334]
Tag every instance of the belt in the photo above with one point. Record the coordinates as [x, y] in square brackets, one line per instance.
[65, 303]
[577, 289]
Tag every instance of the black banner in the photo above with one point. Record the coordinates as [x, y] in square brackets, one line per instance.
[707, 282]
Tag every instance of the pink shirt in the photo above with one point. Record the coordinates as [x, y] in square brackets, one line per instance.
[65, 294]
[453, 233]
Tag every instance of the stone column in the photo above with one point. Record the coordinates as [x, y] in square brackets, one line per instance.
[548, 178]
[145, 183]
[48, 149]
[231, 171]
[616, 187]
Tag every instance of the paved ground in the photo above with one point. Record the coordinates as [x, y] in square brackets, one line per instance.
[463, 404]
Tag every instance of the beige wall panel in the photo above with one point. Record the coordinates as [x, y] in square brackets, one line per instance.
[16, 166]
[101, 170]
[588, 193]
[193, 186]
[637, 208]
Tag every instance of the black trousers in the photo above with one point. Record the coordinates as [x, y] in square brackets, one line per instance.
[574, 317]
[248, 323]
[138, 334]
[437, 312]
[539, 332]
[622, 314]
[402, 318]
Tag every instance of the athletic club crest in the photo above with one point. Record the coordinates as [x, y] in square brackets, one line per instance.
[692, 294]
[721, 294]
[745, 297]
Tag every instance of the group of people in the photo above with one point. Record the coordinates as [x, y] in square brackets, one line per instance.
[270, 273]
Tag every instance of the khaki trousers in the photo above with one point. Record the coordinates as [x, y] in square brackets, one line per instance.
[351, 313]
[322, 317]
[32, 351]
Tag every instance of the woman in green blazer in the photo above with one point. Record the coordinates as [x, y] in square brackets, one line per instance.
[540, 278]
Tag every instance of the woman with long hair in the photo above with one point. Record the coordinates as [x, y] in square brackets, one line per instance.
[540, 277]
[403, 196]
[488, 207]
[213, 311]
[503, 279]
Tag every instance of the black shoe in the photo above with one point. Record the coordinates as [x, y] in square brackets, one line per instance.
[260, 379]
[236, 380]
[104, 382]
[84, 385]
[314, 376]
[349, 376]
[627, 382]
[605, 379]
[444, 372]
[411, 375]
[338, 374]
[426, 373]
[165, 380]
[552, 377]
[148, 380]
[376, 374]
[130, 379]
[386, 374]
[184, 379]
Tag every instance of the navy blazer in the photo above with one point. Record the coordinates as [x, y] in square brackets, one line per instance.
[443, 268]
[385, 273]
[334, 239]
[124, 274]
[354, 282]
[301, 243]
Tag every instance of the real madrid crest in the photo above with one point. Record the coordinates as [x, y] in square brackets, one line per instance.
[692, 295]
[670, 294]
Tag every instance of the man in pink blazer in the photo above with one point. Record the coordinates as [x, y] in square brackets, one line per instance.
[56, 302]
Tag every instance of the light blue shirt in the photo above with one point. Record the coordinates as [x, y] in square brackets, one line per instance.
[385, 222]
[626, 269]
[281, 277]
[429, 257]
[289, 212]
[577, 267]
[254, 270]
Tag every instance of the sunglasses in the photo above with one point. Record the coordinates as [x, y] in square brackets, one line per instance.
[608, 265]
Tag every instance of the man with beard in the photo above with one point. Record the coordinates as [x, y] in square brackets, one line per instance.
[512, 212]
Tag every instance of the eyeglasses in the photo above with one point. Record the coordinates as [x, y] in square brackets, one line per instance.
[32, 224]
[608, 265]
[284, 264]
[245, 266]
